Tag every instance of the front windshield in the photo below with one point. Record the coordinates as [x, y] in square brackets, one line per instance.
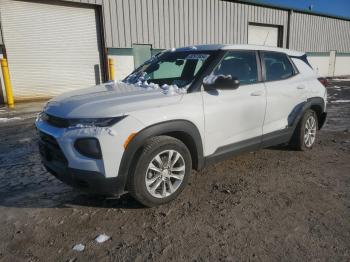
[170, 68]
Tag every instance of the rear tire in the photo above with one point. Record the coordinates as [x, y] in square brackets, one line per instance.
[161, 172]
[304, 136]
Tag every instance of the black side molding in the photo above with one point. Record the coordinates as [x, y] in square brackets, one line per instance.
[274, 138]
[231, 150]
[252, 144]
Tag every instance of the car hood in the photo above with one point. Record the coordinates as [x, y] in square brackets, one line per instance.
[108, 100]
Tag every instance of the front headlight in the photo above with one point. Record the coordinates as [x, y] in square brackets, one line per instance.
[94, 122]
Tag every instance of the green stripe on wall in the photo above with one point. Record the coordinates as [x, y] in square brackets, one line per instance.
[127, 51]
[317, 53]
[342, 54]
[120, 51]
[326, 54]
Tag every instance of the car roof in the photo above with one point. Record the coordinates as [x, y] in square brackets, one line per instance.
[239, 47]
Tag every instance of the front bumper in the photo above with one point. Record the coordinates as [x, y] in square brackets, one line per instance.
[88, 181]
[101, 176]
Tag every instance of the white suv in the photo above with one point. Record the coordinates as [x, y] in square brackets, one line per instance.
[184, 108]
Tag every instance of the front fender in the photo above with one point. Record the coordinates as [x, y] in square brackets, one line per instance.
[133, 148]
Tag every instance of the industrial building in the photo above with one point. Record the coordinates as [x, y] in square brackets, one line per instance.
[55, 46]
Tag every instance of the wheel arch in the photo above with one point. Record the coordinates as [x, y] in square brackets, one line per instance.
[184, 130]
[317, 104]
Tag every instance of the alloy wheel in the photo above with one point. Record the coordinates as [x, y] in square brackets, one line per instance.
[165, 173]
[310, 131]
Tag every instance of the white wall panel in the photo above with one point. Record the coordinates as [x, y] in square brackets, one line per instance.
[320, 64]
[123, 65]
[342, 65]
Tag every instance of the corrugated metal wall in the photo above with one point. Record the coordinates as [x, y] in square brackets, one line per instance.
[314, 33]
[97, 2]
[173, 23]
[0, 35]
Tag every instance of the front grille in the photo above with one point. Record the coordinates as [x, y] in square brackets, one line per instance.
[49, 140]
[50, 150]
[56, 121]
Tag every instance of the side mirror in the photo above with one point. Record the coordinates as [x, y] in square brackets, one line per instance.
[220, 82]
[179, 62]
[152, 67]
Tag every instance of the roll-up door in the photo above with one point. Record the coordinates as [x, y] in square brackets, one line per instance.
[263, 35]
[52, 47]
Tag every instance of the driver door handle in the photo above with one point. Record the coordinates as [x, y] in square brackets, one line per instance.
[301, 87]
[257, 93]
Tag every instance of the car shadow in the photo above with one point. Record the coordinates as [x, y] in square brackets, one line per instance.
[124, 202]
[283, 147]
[59, 195]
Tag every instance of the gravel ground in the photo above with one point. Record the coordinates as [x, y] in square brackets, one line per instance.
[270, 205]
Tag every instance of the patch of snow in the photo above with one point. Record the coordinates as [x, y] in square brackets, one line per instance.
[88, 130]
[140, 81]
[146, 85]
[210, 79]
[110, 85]
[173, 89]
[25, 140]
[173, 49]
[340, 79]
[102, 238]
[5, 120]
[335, 87]
[341, 101]
[79, 247]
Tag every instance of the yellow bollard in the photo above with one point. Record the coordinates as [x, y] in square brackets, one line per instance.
[111, 70]
[7, 82]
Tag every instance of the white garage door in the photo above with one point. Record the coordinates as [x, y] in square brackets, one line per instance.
[51, 48]
[262, 35]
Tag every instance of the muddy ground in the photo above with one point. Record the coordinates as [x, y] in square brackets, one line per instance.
[270, 205]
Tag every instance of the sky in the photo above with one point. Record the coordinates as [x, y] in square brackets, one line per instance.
[330, 7]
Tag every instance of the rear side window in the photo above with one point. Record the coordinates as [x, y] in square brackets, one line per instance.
[277, 66]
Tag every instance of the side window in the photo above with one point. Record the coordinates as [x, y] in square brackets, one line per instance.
[277, 66]
[239, 64]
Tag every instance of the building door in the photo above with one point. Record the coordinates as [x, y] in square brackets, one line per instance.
[264, 35]
[52, 46]
[141, 54]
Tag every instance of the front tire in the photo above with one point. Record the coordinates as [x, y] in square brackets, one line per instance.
[161, 172]
[304, 136]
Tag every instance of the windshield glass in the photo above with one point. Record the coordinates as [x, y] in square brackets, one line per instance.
[170, 68]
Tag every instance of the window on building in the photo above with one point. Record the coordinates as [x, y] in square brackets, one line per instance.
[277, 66]
[239, 64]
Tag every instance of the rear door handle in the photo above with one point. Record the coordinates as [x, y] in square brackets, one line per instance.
[257, 93]
[301, 87]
